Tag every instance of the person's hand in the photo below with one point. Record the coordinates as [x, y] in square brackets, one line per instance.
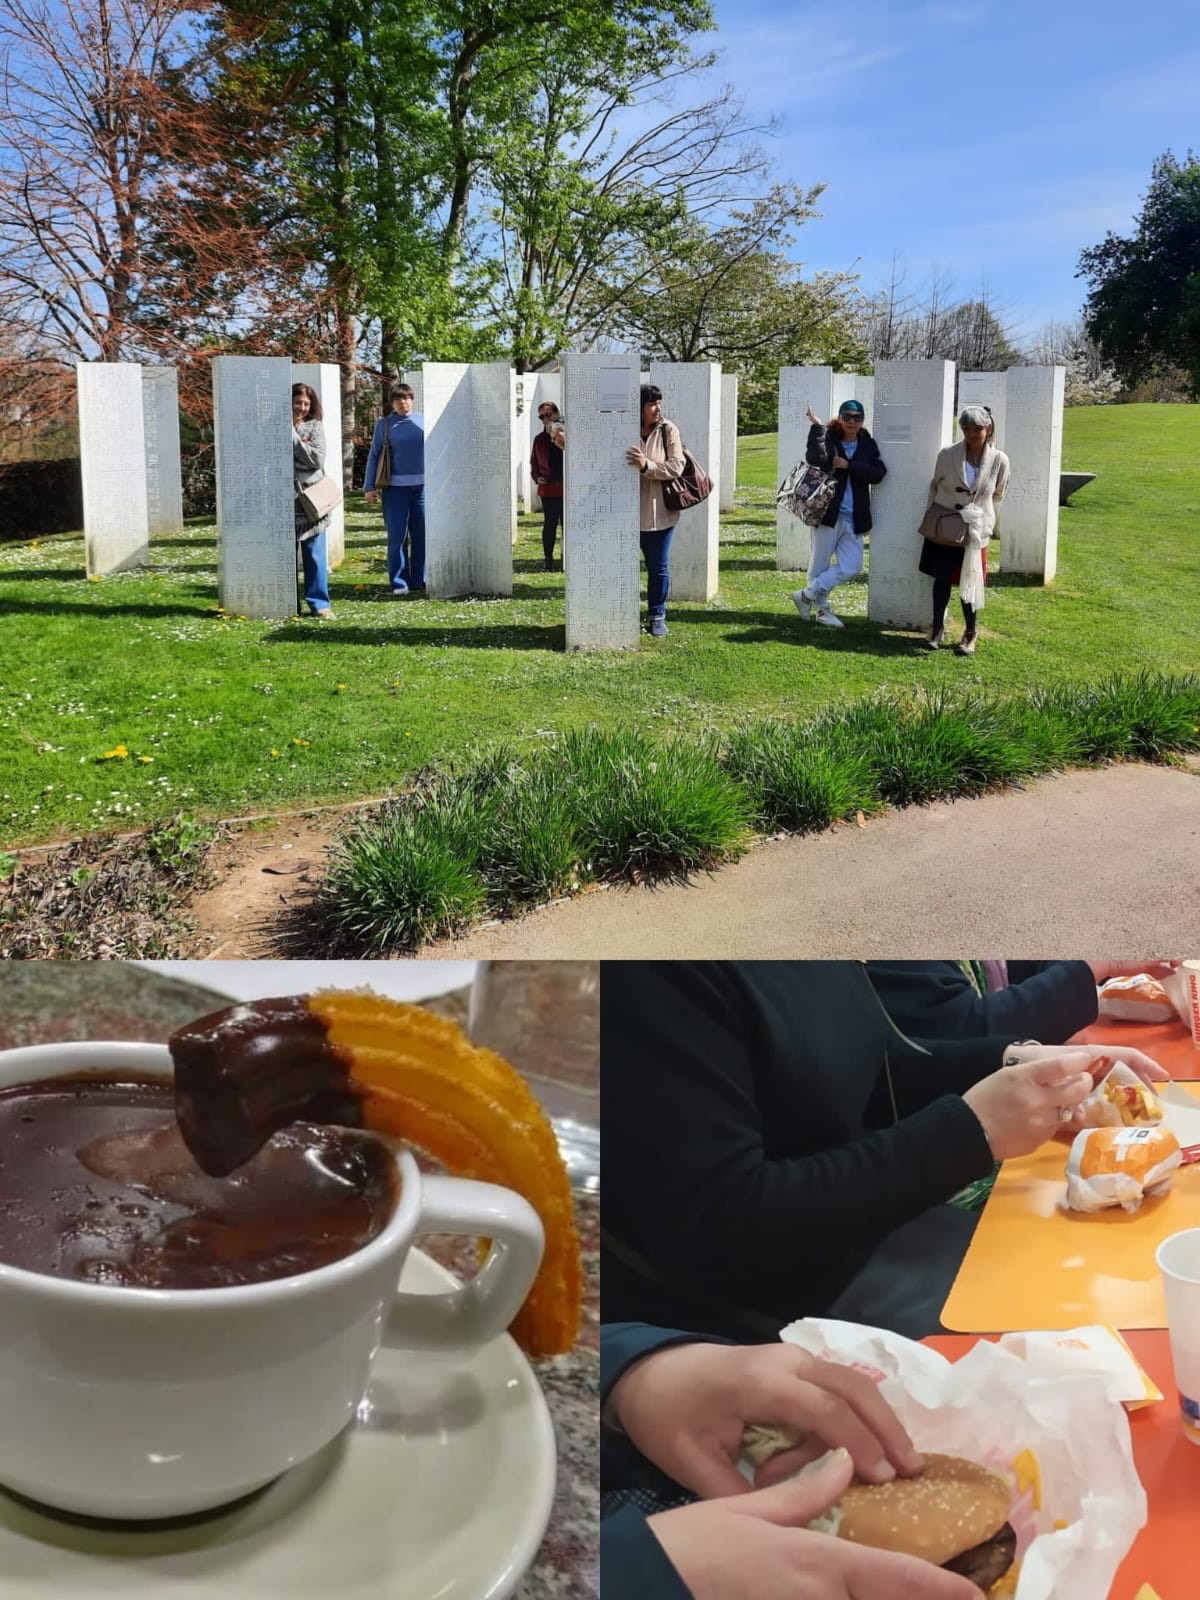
[756, 1547]
[559, 436]
[371, 496]
[1102, 971]
[686, 1408]
[839, 462]
[1034, 1095]
[813, 417]
[1105, 1056]
[636, 456]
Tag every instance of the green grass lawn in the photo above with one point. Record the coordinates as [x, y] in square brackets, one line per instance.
[218, 717]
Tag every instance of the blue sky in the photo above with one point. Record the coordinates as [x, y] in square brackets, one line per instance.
[978, 140]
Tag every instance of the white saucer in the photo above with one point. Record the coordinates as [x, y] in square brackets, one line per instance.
[442, 1487]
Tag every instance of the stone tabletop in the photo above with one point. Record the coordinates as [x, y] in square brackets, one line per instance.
[42, 1002]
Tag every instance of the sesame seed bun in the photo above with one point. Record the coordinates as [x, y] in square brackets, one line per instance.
[949, 1508]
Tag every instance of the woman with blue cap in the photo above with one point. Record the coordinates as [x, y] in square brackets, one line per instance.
[847, 450]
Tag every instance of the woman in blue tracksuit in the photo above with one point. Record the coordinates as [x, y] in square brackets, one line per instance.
[674, 1412]
[404, 493]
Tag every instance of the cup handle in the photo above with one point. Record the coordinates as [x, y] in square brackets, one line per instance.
[485, 1305]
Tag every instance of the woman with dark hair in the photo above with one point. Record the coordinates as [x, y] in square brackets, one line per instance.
[846, 449]
[659, 459]
[308, 464]
[969, 478]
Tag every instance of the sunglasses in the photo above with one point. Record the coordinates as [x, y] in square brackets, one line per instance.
[849, 416]
[545, 416]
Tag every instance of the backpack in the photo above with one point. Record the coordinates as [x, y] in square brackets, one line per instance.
[807, 492]
[691, 488]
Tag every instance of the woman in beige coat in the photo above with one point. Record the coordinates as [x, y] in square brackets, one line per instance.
[969, 477]
[659, 458]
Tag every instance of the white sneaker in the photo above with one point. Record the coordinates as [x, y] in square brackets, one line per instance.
[802, 603]
[828, 620]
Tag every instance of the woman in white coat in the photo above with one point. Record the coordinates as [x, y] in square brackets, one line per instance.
[969, 478]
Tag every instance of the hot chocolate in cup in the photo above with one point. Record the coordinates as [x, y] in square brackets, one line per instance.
[126, 1401]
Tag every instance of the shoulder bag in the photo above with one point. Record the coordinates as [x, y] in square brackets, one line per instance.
[943, 525]
[383, 467]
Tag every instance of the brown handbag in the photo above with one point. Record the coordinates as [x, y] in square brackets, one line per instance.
[943, 525]
[383, 467]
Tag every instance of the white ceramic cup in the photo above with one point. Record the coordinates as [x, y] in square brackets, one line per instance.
[1179, 1262]
[147, 1403]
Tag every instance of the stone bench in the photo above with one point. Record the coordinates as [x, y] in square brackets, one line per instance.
[1069, 482]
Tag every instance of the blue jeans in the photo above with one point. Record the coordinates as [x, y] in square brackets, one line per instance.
[404, 519]
[656, 547]
[316, 572]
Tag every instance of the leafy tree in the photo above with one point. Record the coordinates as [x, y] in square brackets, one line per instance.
[1143, 304]
[729, 292]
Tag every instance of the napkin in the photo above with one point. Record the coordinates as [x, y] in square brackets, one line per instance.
[1060, 1440]
[1097, 1349]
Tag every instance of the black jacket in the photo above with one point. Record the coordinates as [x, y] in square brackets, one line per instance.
[1046, 1000]
[753, 1159]
[866, 468]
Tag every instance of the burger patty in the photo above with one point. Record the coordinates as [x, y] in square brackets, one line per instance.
[987, 1563]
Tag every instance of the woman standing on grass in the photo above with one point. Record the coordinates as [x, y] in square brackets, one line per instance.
[659, 458]
[308, 464]
[846, 449]
[969, 477]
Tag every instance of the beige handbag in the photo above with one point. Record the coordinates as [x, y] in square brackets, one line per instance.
[320, 497]
[943, 525]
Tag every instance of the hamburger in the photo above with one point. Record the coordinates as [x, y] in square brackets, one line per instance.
[953, 1513]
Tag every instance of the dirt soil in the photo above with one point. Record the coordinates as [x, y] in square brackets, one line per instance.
[262, 868]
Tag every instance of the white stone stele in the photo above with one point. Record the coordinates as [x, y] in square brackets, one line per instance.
[727, 477]
[112, 464]
[602, 501]
[914, 414]
[468, 478]
[799, 388]
[252, 427]
[164, 478]
[1027, 517]
[540, 387]
[325, 378]
[416, 382]
[984, 389]
[853, 386]
[692, 400]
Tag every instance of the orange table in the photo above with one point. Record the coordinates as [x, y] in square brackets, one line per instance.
[1164, 1553]
[1170, 1043]
[1030, 1265]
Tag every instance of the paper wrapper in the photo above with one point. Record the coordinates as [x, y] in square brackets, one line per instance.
[1098, 1111]
[1096, 1349]
[1138, 998]
[991, 1408]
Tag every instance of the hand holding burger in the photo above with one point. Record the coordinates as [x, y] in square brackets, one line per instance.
[687, 1407]
[756, 1547]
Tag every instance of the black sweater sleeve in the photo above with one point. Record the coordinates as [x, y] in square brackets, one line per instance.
[687, 1165]
[818, 453]
[1048, 1001]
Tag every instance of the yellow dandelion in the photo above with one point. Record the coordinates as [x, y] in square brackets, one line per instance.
[145, 760]
[274, 752]
[300, 741]
[118, 753]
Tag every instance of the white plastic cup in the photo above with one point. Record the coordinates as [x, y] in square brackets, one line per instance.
[1179, 1262]
[1191, 996]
